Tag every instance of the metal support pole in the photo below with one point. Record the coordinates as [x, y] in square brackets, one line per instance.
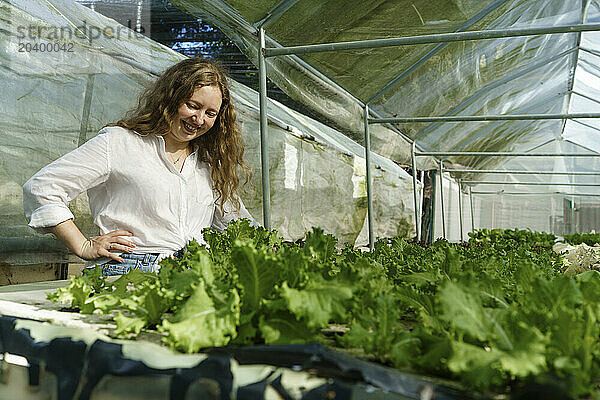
[434, 205]
[442, 199]
[573, 224]
[264, 137]
[472, 212]
[483, 118]
[415, 196]
[460, 212]
[369, 179]
[426, 39]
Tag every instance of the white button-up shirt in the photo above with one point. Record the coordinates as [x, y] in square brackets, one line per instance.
[133, 186]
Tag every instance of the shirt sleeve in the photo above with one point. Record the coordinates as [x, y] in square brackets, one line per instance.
[221, 220]
[46, 194]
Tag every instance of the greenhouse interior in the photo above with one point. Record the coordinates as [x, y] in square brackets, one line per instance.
[425, 190]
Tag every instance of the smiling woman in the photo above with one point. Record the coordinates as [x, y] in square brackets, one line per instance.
[195, 117]
[155, 178]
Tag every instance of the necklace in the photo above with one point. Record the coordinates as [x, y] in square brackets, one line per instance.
[178, 158]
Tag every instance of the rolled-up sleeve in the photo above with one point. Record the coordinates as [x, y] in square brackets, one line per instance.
[221, 220]
[47, 194]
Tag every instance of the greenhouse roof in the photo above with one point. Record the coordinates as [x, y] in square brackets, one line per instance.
[539, 74]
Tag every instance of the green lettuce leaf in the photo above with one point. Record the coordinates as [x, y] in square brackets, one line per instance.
[319, 302]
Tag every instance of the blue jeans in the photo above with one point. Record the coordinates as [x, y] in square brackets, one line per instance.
[142, 262]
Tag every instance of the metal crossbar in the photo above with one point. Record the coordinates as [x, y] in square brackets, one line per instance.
[427, 39]
[483, 118]
[530, 183]
[501, 154]
[539, 193]
[519, 172]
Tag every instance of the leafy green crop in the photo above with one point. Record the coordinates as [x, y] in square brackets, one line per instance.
[578, 238]
[492, 313]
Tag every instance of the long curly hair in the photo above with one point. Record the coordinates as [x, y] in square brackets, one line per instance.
[221, 147]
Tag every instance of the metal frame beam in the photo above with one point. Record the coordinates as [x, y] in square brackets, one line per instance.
[436, 38]
[369, 179]
[264, 134]
[541, 145]
[591, 51]
[415, 195]
[584, 6]
[441, 168]
[530, 183]
[520, 172]
[460, 211]
[581, 146]
[483, 118]
[472, 212]
[587, 126]
[538, 193]
[585, 96]
[499, 154]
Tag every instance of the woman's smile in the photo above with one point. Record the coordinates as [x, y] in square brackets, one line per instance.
[191, 128]
[197, 115]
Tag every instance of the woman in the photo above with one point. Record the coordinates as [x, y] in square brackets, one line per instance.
[155, 179]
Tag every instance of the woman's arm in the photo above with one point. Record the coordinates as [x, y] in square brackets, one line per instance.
[47, 194]
[96, 247]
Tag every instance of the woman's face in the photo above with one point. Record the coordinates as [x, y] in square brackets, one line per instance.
[197, 115]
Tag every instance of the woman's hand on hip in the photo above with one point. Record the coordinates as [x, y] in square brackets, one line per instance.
[105, 245]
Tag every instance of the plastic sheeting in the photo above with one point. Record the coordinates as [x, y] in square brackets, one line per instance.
[540, 74]
[56, 99]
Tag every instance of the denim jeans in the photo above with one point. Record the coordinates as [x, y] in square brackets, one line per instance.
[142, 262]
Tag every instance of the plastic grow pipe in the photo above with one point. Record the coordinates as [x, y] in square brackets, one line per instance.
[460, 211]
[415, 196]
[442, 198]
[436, 38]
[264, 137]
[369, 184]
[472, 213]
[484, 118]
[520, 172]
